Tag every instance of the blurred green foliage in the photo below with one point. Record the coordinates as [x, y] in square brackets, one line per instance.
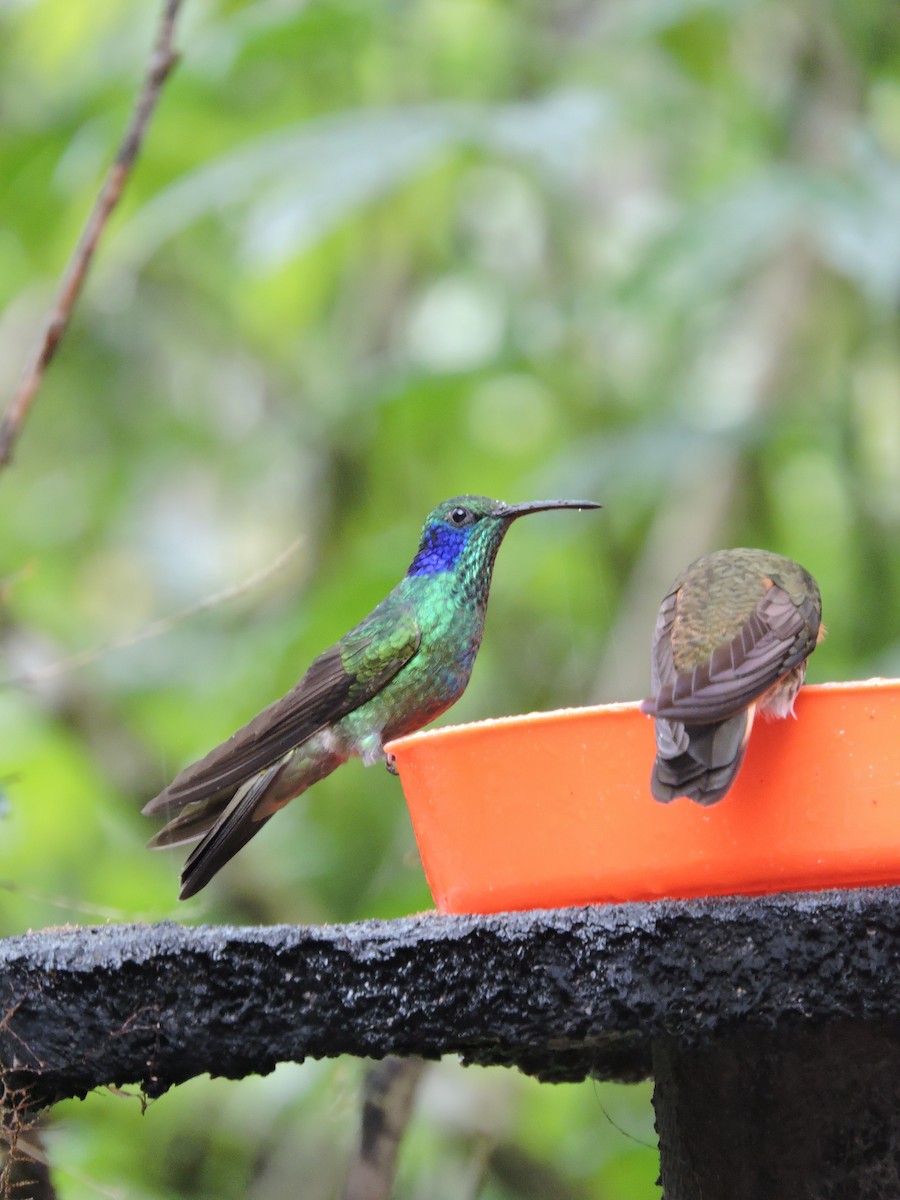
[375, 254]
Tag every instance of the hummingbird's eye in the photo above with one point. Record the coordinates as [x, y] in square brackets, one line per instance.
[461, 516]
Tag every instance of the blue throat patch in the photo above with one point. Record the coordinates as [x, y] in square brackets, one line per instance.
[441, 547]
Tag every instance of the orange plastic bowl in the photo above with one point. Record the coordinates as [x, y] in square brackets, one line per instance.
[555, 809]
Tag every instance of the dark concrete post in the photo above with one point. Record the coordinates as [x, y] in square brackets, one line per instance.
[804, 1113]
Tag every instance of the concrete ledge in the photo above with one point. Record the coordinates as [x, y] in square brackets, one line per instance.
[560, 994]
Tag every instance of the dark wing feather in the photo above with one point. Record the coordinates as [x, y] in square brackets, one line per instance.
[232, 830]
[776, 637]
[662, 662]
[337, 682]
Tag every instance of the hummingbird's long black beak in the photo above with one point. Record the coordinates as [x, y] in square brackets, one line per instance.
[511, 511]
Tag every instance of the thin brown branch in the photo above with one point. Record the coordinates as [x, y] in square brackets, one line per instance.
[388, 1096]
[157, 628]
[26, 1171]
[162, 60]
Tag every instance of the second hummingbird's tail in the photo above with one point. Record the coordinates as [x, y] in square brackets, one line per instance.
[699, 761]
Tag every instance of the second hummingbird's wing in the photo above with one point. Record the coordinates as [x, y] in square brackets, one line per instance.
[777, 636]
[337, 682]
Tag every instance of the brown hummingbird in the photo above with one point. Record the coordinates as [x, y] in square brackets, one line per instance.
[732, 638]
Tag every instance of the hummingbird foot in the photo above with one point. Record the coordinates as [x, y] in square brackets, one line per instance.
[391, 763]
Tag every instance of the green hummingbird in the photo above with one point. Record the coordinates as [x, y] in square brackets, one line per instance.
[403, 665]
[732, 638]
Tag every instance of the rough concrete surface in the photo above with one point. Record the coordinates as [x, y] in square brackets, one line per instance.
[560, 994]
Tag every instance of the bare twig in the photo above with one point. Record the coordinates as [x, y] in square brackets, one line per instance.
[155, 629]
[99, 912]
[388, 1097]
[26, 1171]
[162, 61]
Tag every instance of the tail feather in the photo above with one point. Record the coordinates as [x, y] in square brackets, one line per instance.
[189, 825]
[232, 829]
[706, 768]
[225, 823]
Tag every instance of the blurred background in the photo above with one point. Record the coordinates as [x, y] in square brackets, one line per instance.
[376, 253]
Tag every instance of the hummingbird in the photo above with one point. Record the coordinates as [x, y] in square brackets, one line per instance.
[732, 638]
[403, 665]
